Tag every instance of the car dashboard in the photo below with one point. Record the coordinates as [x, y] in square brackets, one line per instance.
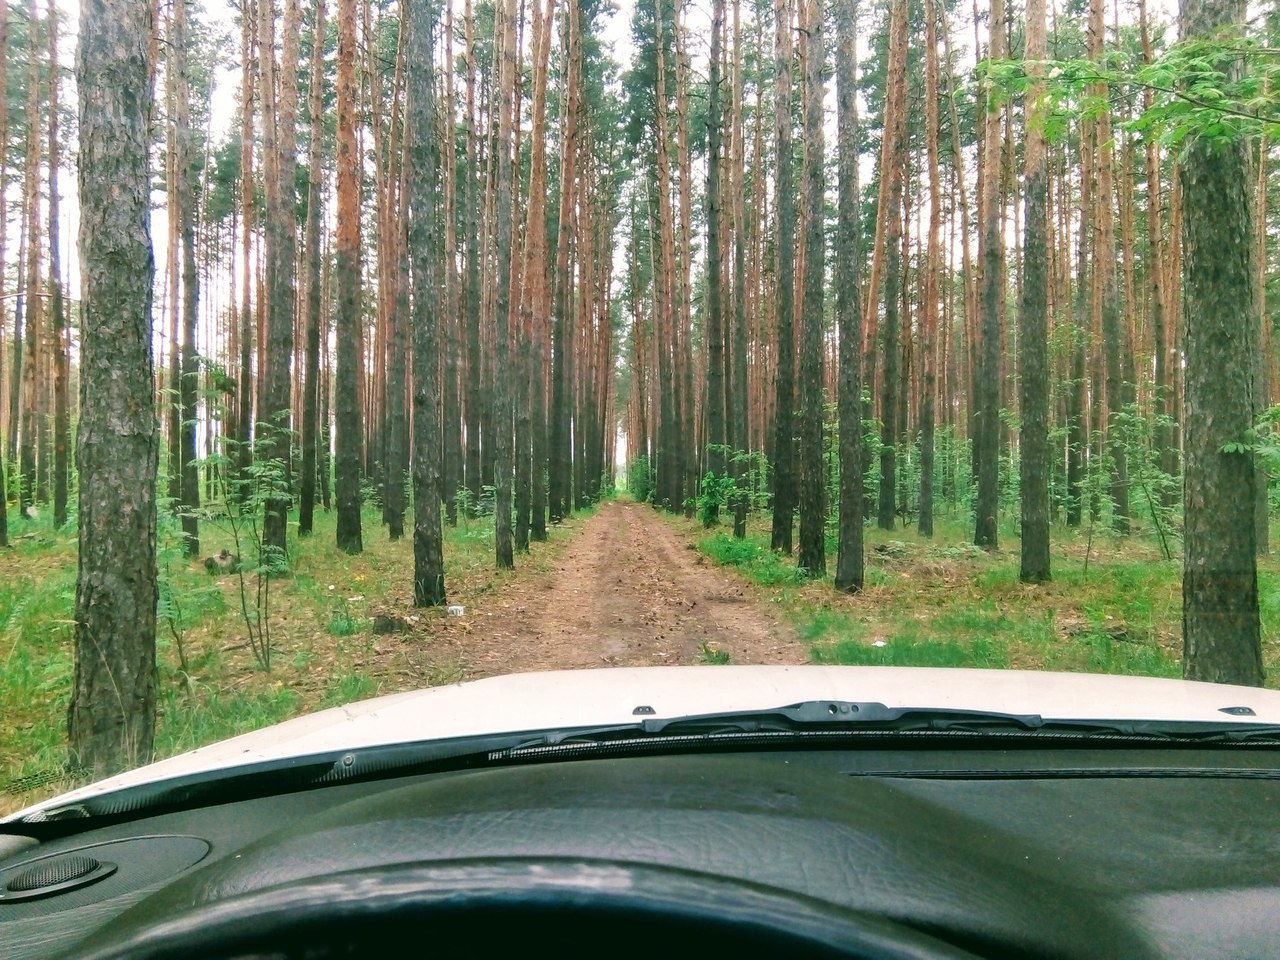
[1162, 853]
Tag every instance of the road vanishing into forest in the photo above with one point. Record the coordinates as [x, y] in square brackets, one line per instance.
[628, 590]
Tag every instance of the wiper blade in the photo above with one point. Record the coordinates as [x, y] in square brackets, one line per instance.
[842, 714]
[829, 721]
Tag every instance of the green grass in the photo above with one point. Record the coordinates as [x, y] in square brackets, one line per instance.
[944, 602]
[711, 654]
[753, 558]
[323, 651]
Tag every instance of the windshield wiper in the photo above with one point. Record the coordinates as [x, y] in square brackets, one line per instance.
[836, 722]
[843, 714]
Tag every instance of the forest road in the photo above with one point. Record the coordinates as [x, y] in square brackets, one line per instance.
[627, 591]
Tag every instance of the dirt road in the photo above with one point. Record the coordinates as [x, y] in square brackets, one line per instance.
[628, 591]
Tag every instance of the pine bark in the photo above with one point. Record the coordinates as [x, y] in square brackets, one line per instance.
[1033, 323]
[715, 410]
[423, 241]
[471, 298]
[784, 493]
[986, 447]
[246, 392]
[111, 718]
[59, 333]
[504, 209]
[1220, 619]
[811, 557]
[346, 392]
[932, 268]
[187, 174]
[850, 552]
[315, 199]
[741, 440]
[32, 360]
[1107, 290]
[895, 132]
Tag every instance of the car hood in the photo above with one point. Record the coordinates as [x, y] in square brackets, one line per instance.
[610, 696]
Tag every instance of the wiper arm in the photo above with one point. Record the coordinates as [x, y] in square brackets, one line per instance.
[843, 714]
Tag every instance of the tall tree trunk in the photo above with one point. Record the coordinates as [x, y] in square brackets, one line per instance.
[1220, 620]
[348, 278]
[503, 546]
[111, 718]
[849, 555]
[784, 494]
[560, 453]
[536, 302]
[812, 501]
[428, 556]
[472, 310]
[246, 392]
[1163, 405]
[452, 455]
[187, 179]
[279, 147]
[315, 198]
[986, 447]
[714, 339]
[932, 267]
[59, 333]
[1104, 278]
[895, 132]
[34, 279]
[1033, 325]
[741, 441]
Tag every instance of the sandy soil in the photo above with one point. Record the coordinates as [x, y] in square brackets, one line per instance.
[627, 591]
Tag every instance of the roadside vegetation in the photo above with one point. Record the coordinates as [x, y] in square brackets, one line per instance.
[341, 628]
[1114, 606]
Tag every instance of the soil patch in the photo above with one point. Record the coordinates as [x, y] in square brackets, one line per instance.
[628, 591]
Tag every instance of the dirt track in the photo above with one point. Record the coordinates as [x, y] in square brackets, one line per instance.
[628, 591]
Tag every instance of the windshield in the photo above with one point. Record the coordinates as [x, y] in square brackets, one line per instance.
[349, 349]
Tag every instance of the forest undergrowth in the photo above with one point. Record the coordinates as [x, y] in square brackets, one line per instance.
[341, 628]
[1114, 605]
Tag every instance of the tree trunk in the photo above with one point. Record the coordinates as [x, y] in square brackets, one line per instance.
[784, 493]
[346, 394]
[246, 393]
[188, 173]
[1033, 324]
[111, 718]
[714, 317]
[895, 131]
[428, 557]
[503, 546]
[849, 556]
[452, 455]
[315, 198]
[813, 514]
[60, 334]
[1104, 278]
[279, 148]
[472, 309]
[31, 368]
[986, 445]
[932, 267]
[1220, 620]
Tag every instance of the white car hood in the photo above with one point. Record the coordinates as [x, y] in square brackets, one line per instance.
[578, 698]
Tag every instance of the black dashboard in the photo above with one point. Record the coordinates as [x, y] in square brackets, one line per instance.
[1162, 853]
